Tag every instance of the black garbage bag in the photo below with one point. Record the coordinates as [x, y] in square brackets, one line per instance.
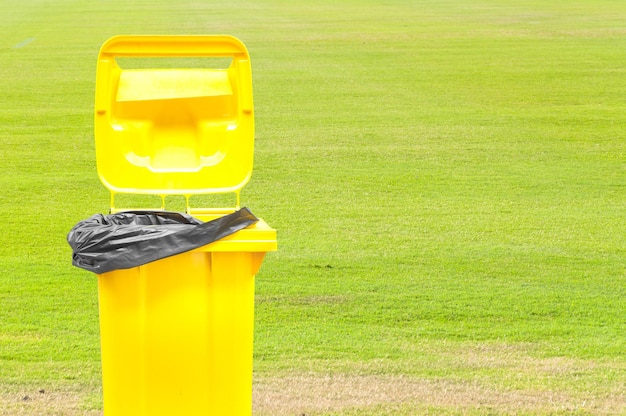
[103, 243]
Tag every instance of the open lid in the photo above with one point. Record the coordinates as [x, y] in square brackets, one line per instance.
[183, 131]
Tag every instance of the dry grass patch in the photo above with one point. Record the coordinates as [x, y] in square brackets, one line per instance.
[312, 394]
[23, 402]
[473, 378]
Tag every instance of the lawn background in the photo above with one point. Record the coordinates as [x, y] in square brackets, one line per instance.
[447, 179]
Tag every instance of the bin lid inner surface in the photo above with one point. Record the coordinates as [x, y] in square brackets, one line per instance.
[174, 131]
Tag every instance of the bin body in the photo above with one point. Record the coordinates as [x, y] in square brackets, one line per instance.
[177, 334]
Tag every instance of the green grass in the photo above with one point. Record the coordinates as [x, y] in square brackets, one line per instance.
[448, 180]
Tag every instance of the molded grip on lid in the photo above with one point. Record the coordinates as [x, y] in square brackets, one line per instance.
[176, 46]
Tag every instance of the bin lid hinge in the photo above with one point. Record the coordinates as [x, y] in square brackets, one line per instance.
[188, 208]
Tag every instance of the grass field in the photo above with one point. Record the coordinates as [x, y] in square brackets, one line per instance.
[448, 180]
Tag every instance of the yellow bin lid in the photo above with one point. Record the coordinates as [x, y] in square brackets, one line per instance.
[183, 131]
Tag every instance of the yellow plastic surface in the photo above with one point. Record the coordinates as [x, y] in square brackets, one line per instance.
[174, 131]
[177, 334]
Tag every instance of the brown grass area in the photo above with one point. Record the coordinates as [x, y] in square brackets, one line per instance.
[481, 379]
[312, 394]
[315, 394]
[45, 403]
[474, 379]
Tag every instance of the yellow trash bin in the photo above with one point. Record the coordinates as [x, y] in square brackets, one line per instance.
[177, 333]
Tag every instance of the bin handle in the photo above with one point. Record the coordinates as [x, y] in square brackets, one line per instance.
[176, 46]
